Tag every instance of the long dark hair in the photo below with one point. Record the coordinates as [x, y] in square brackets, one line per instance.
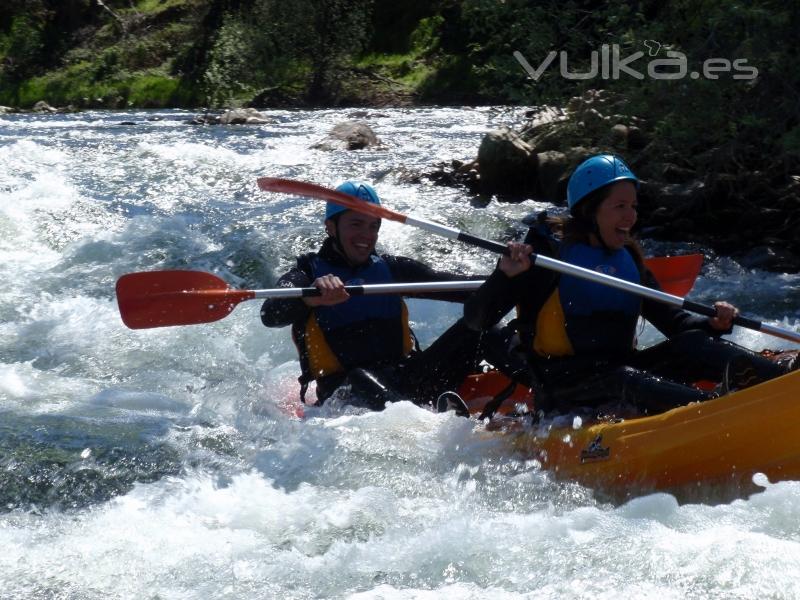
[579, 226]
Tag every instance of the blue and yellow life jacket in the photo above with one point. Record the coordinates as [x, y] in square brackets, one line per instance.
[582, 317]
[361, 332]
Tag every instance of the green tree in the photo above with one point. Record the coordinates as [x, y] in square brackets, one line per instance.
[341, 28]
[22, 49]
[268, 42]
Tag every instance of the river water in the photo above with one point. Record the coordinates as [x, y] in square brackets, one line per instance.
[164, 463]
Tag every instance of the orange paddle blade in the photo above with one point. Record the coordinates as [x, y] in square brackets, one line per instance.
[163, 298]
[312, 190]
[676, 274]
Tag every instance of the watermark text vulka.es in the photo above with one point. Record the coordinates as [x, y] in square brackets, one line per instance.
[607, 63]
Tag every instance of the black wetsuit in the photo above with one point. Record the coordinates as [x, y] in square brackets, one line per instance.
[421, 376]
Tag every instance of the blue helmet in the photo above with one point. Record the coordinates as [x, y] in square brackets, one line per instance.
[594, 173]
[354, 188]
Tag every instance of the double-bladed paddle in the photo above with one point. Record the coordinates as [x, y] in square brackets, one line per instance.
[300, 188]
[165, 298]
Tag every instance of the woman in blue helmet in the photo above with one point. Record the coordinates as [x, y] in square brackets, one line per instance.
[579, 338]
[366, 341]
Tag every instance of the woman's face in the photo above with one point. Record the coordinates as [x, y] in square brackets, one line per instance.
[616, 215]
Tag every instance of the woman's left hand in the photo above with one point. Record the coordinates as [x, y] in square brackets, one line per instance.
[518, 259]
[723, 321]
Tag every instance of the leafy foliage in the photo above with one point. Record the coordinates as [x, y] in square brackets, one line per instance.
[689, 114]
[270, 43]
[22, 48]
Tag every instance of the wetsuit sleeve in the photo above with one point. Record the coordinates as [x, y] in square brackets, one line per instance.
[408, 270]
[670, 320]
[492, 301]
[280, 312]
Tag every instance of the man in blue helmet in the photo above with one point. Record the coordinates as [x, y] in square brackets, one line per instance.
[579, 338]
[366, 341]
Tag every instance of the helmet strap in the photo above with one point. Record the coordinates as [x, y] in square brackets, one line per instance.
[335, 237]
[337, 244]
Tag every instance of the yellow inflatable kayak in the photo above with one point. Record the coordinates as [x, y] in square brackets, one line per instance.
[723, 441]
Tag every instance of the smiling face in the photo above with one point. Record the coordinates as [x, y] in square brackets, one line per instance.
[617, 215]
[357, 235]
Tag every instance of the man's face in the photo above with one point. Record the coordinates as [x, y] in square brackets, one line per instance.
[357, 234]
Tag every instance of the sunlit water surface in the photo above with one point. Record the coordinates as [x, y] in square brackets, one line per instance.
[164, 464]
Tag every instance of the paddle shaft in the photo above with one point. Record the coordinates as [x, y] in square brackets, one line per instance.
[231, 295]
[545, 262]
[377, 288]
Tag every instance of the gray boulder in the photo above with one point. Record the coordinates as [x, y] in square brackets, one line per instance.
[243, 116]
[507, 164]
[348, 135]
[43, 107]
[553, 174]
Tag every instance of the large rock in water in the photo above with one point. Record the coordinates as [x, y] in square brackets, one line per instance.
[43, 107]
[553, 174]
[234, 116]
[348, 135]
[507, 164]
[243, 116]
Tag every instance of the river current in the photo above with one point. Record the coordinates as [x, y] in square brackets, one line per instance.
[165, 464]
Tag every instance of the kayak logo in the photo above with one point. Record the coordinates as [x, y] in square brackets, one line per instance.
[595, 451]
[609, 64]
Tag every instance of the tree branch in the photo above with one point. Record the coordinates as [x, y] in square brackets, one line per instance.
[116, 17]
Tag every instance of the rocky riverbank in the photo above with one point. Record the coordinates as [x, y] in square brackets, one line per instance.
[712, 198]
